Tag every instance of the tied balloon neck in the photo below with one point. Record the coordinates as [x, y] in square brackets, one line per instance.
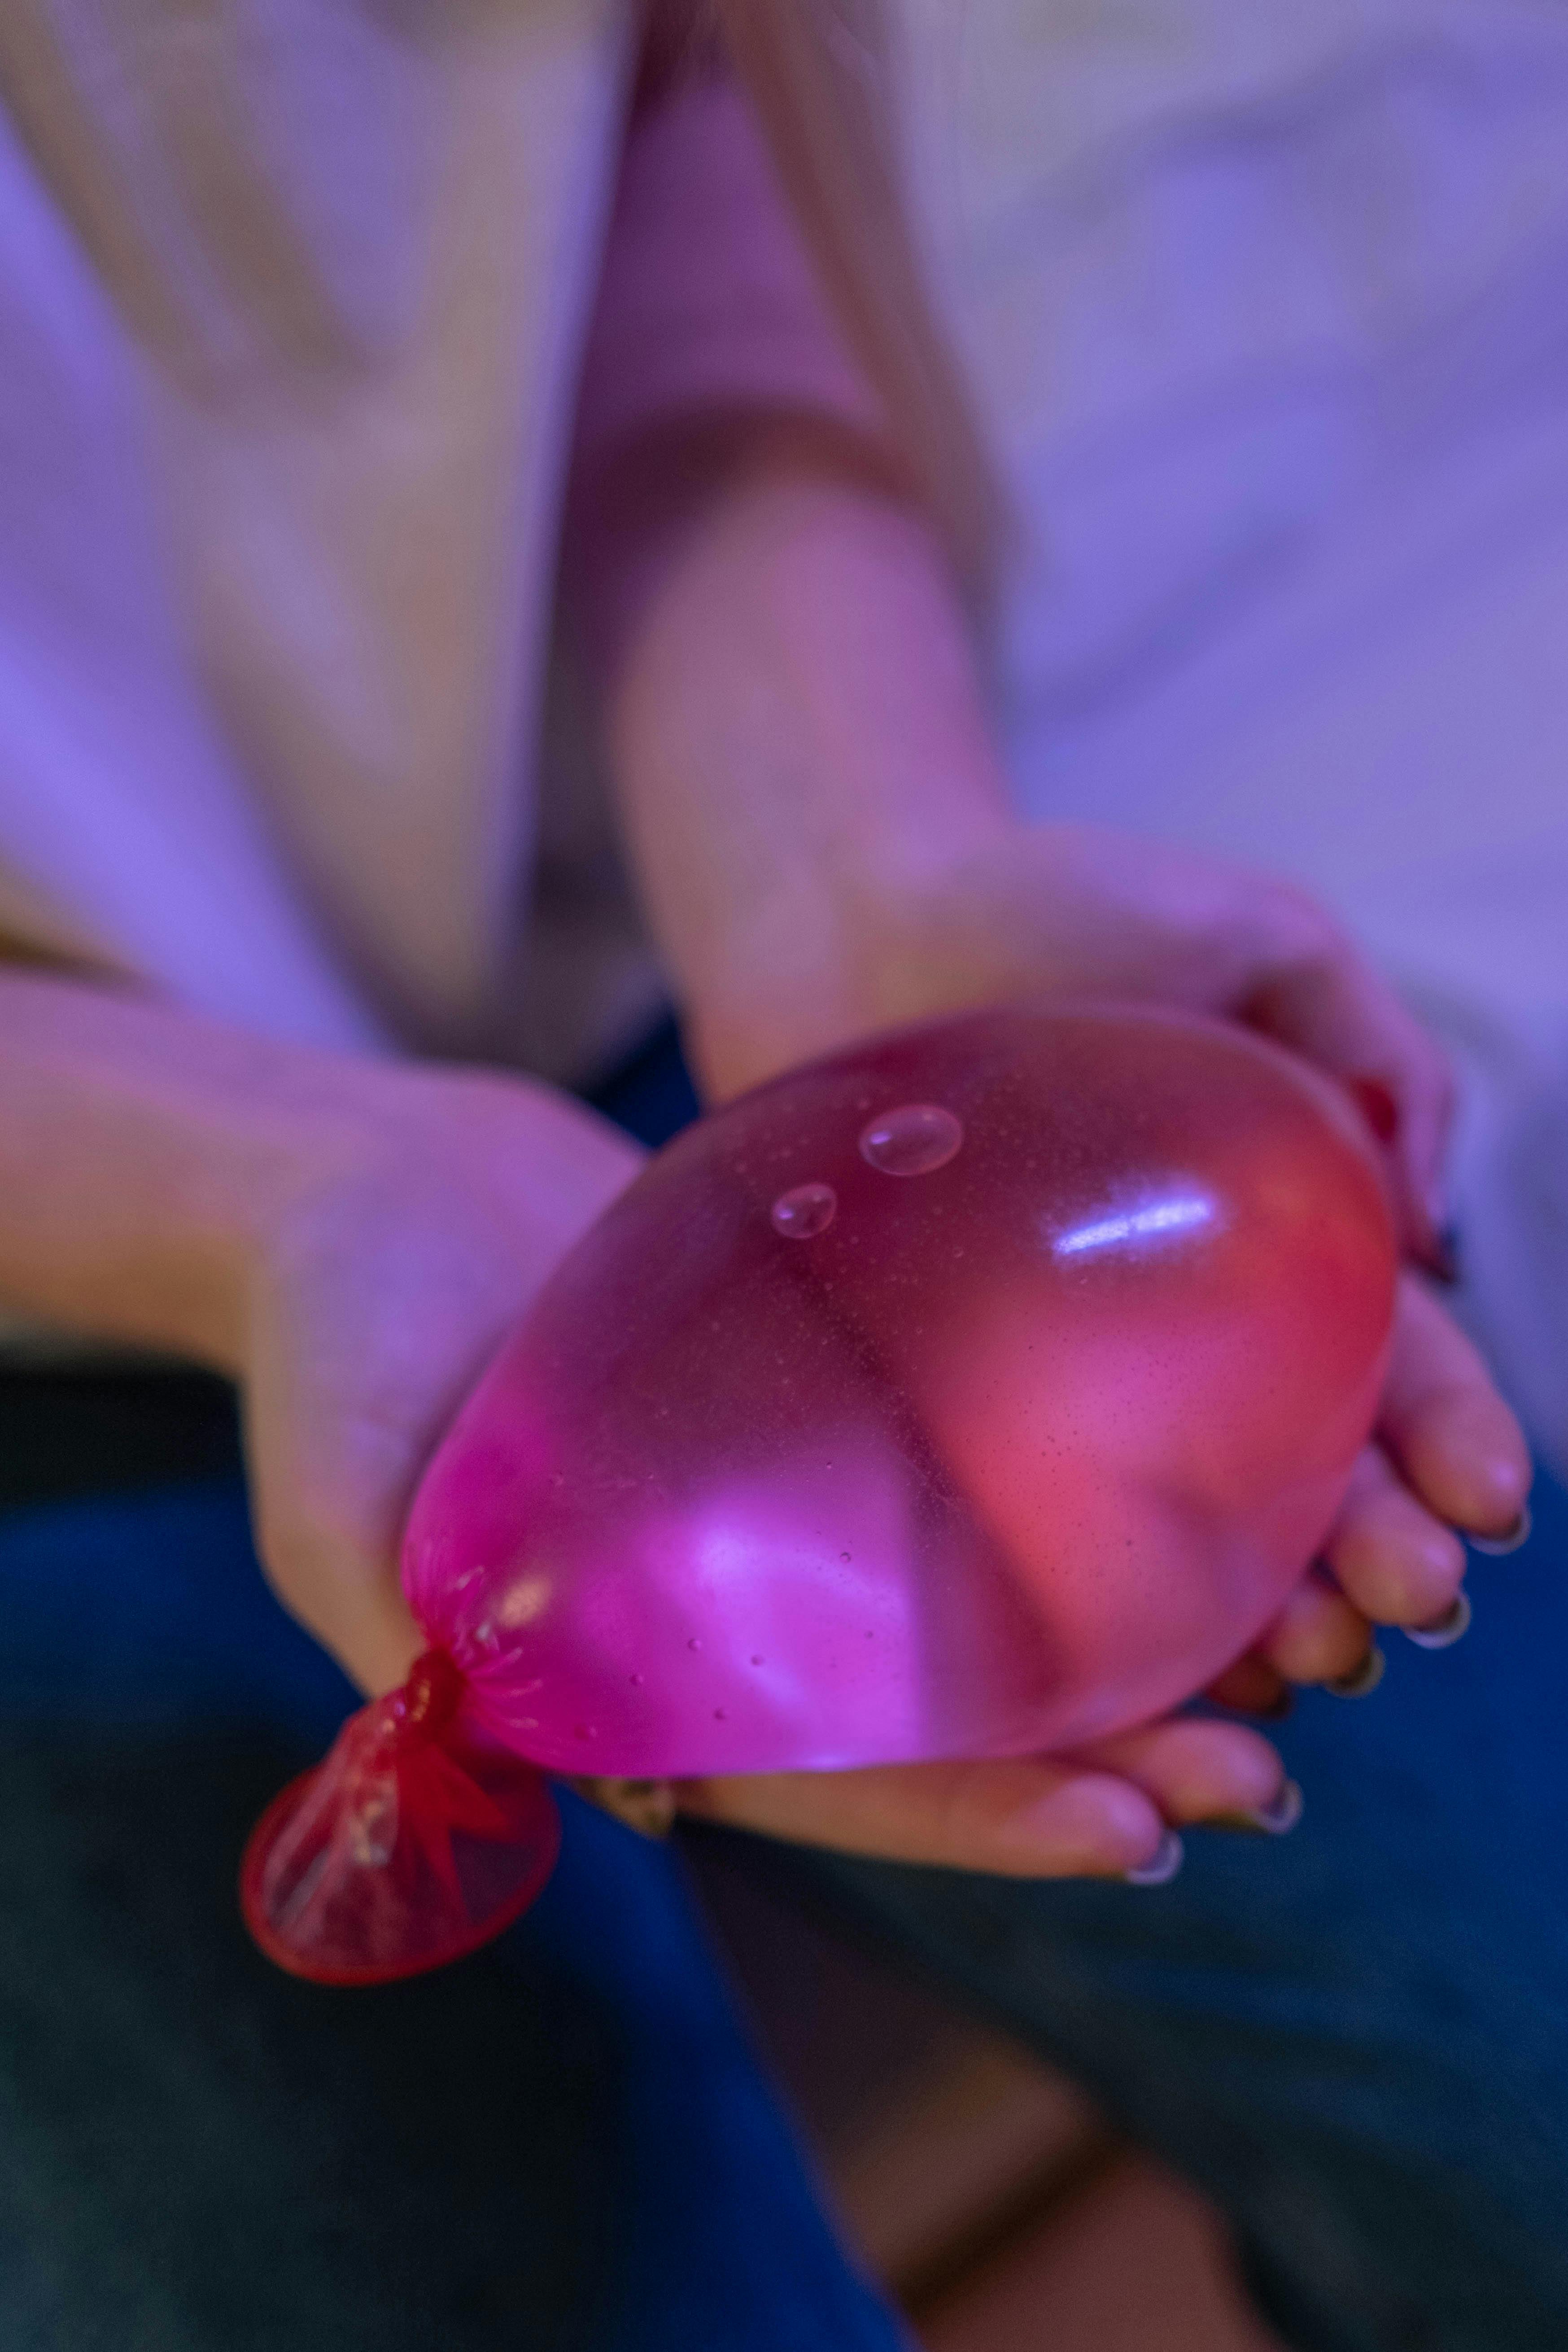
[419, 1714]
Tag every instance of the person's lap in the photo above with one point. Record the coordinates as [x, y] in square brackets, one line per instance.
[1354, 2038]
[564, 2142]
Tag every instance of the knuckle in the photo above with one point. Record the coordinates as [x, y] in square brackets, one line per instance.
[1294, 925]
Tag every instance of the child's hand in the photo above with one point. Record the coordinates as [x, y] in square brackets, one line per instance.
[376, 1294]
[1068, 910]
[826, 847]
[1064, 911]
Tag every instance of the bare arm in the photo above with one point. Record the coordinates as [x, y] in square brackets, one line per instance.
[141, 1154]
[347, 1239]
[794, 725]
[797, 729]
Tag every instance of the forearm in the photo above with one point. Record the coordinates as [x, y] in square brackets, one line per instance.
[143, 1150]
[790, 697]
[797, 735]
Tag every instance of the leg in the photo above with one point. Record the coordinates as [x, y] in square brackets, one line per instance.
[1355, 2040]
[562, 2142]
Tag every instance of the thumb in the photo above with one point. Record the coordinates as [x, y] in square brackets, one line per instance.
[327, 1523]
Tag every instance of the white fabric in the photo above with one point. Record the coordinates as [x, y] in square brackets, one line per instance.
[276, 556]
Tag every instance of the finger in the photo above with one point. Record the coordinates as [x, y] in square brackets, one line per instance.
[1314, 990]
[1194, 1770]
[1318, 1635]
[344, 1597]
[327, 1539]
[1448, 1434]
[1252, 1686]
[1023, 1817]
[1398, 1563]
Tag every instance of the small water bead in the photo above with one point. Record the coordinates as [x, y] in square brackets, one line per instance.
[912, 1141]
[695, 1643]
[805, 1210]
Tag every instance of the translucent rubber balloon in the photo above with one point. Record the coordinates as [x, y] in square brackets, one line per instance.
[975, 1393]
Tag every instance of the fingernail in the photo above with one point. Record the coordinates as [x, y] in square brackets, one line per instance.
[1162, 1865]
[1444, 1631]
[1363, 1680]
[1278, 1709]
[1276, 1818]
[1495, 1546]
[1282, 1813]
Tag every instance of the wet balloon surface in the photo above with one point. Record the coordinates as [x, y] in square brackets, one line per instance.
[914, 1139]
[805, 1210]
[1028, 1443]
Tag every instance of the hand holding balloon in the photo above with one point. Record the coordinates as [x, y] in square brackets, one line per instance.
[979, 1393]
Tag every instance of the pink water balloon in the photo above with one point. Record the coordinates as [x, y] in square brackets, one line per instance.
[977, 1392]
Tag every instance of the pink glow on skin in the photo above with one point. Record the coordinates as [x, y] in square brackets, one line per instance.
[1014, 1453]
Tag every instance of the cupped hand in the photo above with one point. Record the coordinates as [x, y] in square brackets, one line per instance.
[413, 1236]
[1074, 911]
[1100, 1812]
[1061, 910]
[1446, 1454]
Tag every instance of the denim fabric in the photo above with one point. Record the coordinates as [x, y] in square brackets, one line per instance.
[562, 2142]
[1355, 2038]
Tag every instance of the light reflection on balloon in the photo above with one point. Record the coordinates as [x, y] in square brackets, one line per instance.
[1160, 1218]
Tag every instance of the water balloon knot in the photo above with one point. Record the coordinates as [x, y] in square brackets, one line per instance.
[428, 1700]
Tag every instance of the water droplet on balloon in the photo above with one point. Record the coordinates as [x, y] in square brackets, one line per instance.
[585, 1731]
[694, 1643]
[805, 1210]
[756, 1662]
[843, 1555]
[634, 1678]
[912, 1141]
[721, 1714]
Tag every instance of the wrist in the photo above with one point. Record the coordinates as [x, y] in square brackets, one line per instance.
[799, 740]
[144, 1154]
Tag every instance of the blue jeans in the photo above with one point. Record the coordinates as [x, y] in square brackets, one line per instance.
[1355, 2038]
[564, 2143]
